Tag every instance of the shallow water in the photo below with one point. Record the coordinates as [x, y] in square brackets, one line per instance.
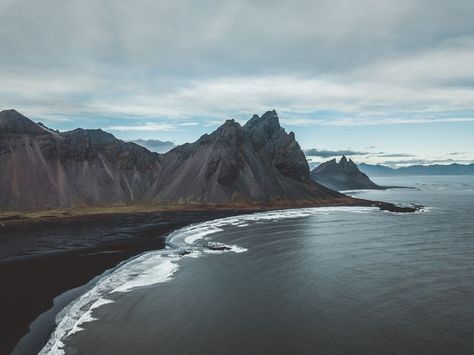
[329, 281]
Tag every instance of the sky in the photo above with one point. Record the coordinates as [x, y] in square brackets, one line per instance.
[392, 80]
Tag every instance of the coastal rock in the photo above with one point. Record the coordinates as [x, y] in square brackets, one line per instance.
[344, 175]
[218, 247]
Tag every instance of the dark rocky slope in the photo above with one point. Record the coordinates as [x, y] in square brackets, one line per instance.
[344, 175]
[258, 163]
[46, 169]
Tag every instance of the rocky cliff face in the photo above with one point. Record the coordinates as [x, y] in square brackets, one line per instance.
[271, 142]
[344, 175]
[42, 168]
[253, 164]
[256, 163]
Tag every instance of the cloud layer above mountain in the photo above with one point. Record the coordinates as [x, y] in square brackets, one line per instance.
[173, 66]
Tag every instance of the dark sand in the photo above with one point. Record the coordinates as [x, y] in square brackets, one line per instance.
[43, 258]
[40, 260]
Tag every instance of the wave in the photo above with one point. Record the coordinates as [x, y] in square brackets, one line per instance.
[155, 267]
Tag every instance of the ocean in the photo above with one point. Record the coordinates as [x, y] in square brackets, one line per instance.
[342, 280]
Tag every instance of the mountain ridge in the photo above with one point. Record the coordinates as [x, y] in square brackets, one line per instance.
[258, 163]
[344, 175]
[44, 169]
[239, 164]
[434, 169]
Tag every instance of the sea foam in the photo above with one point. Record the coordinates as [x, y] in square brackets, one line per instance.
[155, 267]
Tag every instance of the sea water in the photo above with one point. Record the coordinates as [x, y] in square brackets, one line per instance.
[305, 281]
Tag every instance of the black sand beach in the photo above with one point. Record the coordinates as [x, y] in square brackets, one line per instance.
[40, 260]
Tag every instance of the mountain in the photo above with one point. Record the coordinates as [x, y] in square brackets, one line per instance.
[344, 175]
[437, 169]
[44, 169]
[375, 170]
[258, 163]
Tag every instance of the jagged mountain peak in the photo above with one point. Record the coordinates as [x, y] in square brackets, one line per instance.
[92, 135]
[11, 113]
[264, 130]
[268, 122]
[255, 162]
[269, 138]
[348, 164]
[344, 175]
[270, 116]
[251, 164]
[228, 126]
[13, 122]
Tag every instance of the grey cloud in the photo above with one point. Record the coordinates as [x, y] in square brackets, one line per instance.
[222, 38]
[323, 153]
[395, 155]
[174, 58]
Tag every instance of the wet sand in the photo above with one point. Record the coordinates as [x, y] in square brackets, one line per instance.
[42, 259]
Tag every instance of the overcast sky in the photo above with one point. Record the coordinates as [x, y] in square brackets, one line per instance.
[377, 77]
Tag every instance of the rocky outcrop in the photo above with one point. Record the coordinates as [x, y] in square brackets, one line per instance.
[344, 175]
[45, 169]
[258, 163]
[271, 142]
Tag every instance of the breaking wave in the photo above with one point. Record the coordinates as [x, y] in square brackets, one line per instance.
[155, 267]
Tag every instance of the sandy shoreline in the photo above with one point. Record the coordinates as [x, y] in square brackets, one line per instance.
[47, 253]
[32, 281]
[13, 217]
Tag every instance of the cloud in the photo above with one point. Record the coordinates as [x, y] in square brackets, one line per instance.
[395, 155]
[299, 101]
[145, 127]
[155, 145]
[270, 35]
[332, 153]
[327, 63]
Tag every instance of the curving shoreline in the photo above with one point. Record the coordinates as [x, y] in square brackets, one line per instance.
[159, 266]
[8, 217]
[35, 280]
[50, 271]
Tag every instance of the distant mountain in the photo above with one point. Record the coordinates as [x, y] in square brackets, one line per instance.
[155, 145]
[344, 175]
[452, 169]
[258, 163]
